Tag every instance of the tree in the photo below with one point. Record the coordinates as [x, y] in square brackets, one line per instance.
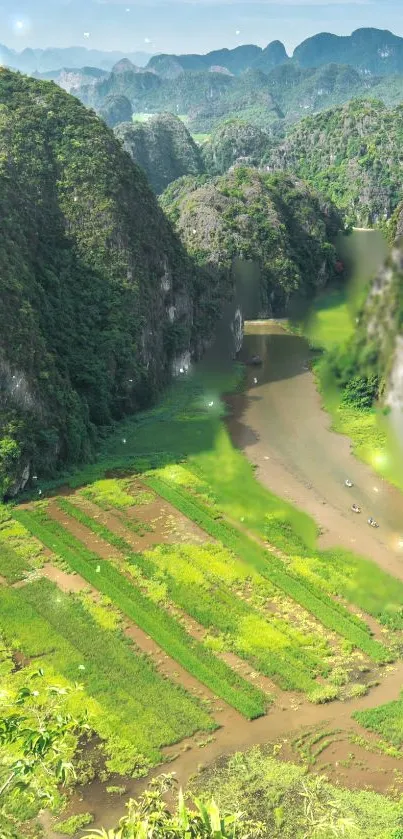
[37, 740]
[150, 818]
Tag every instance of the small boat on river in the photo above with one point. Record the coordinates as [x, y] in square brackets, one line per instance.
[255, 361]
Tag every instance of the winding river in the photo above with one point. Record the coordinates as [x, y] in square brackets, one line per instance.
[280, 425]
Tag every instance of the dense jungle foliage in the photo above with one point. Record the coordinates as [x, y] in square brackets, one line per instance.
[367, 367]
[235, 141]
[116, 109]
[271, 220]
[90, 269]
[351, 154]
[270, 97]
[163, 148]
[99, 295]
[206, 97]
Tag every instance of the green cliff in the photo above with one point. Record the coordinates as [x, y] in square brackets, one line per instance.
[274, 221]
[98, 297]
[163, 148]
[352, 154]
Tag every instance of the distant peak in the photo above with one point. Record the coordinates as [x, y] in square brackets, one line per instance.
[123, 66]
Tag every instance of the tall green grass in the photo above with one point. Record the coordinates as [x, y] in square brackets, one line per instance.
[385, 720]
[12, 567]
[153, 619]
[331, 614]
[267, 645]
[135, 709]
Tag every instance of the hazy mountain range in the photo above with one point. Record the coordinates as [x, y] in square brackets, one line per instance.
[370, 51]
[46, 60]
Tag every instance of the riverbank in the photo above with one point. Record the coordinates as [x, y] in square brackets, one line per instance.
[280, 425]
[234, 569]
[330, 326]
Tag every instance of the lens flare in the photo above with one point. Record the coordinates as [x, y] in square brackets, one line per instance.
[20, 24]
[396, 543]
[380, 459]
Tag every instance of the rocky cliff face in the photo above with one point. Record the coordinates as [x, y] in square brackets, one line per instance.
[163, 147]
[248, 217]
[352, 154]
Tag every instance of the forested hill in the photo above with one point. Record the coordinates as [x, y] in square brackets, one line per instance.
[371, 51]
[351, 154]
[205, 97]
[282, 95]
[97, 294]
[274, 221]
[100, 298]
[163, 147]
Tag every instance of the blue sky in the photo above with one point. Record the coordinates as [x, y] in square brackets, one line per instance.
[186, 25]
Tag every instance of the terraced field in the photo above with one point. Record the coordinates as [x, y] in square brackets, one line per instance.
[198, 600]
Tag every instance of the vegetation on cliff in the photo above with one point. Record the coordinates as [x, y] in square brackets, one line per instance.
[268, 94]
[351, 154]
[116, 109]
[235, 141]
[90, 271]
[163, 148]
[205, 97]
[99, 294]
[274, 221]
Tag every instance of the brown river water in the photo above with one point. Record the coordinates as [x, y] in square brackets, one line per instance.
[280, 425]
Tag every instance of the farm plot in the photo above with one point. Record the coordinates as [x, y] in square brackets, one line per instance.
[132, 707]
[217, 484]
[196, 579]
[330, 613]
[228, 599]
[227, 590]
[141, 607]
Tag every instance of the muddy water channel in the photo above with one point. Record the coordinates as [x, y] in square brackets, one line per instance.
[280, 425]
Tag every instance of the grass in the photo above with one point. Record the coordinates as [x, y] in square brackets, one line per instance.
[70, 826]
[148, 615]
[331, 323]
[201, 137]
[63, 637]
[385, 720]
[294, 804]
[360, 581]
[111, 492]
[187, 578]
[12, 567]
[330, 326]
[331, 614]
[142, 117]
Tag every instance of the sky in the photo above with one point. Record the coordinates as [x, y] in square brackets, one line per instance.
[186, 25]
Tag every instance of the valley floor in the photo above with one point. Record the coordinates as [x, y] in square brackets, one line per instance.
[198, 609]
